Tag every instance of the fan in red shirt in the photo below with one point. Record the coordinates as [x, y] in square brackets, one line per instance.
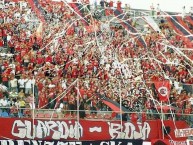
[18, 68]
[48, 58]
[43, 101]
[13, 111]
[5, 78]
[6, 64]
[40, 59]
[18, 58]
[1, 42]
[155, 77]
[74, 72]
[40, 85]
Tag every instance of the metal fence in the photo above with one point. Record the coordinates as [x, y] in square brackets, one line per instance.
[92, 115]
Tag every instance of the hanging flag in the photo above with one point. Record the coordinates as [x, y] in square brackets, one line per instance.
[79, 10]
[163, 89]
[113, 105]
[127, 25]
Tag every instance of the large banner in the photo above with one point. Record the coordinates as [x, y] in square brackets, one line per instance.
[105, 142]
[27, 129]
[102, 142]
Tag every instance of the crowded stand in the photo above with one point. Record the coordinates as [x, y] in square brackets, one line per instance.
[58, 58]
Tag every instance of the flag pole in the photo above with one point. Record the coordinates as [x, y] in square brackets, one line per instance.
[120, 108]
[78, 104]
[162, 118]
[33, 105]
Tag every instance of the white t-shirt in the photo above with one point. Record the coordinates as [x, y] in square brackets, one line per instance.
[21, 83]
[191, 100]
[3, 102]
[13, 82]
[29, 83]
[107, 67]
[64, 84]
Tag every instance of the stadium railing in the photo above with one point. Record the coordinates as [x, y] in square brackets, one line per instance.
[151, 114]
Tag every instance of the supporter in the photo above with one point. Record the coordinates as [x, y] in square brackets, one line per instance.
[102, 3]
[158, 10]
[183, 12]
[127, 8]
[119, 5]
[29, 85]
[177, 85]
[13, 111]
[21, 105]
[5, 77]
[30, 100]
[82, 108]
[26, 60]
[21, 83]
[152, 10]
[71, 103]
[13, 95]
[1, 43]
[4, 35]
[13, 84]
[95, 4]
[191, 11]
[21, 94]
[4, 104]
[27, 111]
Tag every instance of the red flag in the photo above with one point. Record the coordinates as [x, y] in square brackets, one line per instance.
[163, 89]
[113, 104]
[134, 118]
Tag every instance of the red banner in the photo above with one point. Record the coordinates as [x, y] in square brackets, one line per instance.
[18, 129]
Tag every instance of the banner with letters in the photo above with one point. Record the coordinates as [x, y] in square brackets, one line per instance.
[27, 129]
[186, 132]
[54, 142]
[167, 142]
[104, 142]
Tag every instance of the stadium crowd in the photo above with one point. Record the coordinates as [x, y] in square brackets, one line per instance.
[57, 63]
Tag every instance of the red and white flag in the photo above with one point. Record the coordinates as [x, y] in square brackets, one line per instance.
[163, 89]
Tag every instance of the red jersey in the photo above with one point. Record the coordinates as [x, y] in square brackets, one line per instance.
[48, 59]
[1, 43]
[40, 60]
